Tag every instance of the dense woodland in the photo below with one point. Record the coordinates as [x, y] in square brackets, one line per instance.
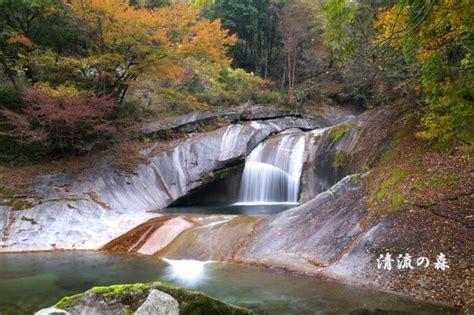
[77, 75]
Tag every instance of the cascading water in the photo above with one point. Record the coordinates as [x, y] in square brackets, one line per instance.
[273, 169]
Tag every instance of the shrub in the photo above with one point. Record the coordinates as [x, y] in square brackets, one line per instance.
[236, 86]
[179, 102]
[10, 97]
[71, 124]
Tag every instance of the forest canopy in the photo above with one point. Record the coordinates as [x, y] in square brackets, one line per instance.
[74, 72]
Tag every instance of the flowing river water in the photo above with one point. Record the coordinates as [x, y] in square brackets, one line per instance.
[36, 280]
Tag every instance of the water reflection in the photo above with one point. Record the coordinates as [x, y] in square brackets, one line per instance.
[188, 273]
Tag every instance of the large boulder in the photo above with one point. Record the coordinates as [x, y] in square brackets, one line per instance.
[151, 298]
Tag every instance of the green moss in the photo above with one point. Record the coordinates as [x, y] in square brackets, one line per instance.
[16, 190]
[21, 204]
[195, 303]
[342, 159]
[391, 155]
[167, 134]
[212, 125]
[130, 163]
[191, 303]
[127, 309]
[396, 175]
[117, 289]
[16, 204]
[355, 179]
[444, 181]
[65, 301]
[381, 193]
[339, 131]
[370, 162]
[393, 152]
[423, 205]
[389, 185]
[397, 200]
[320, 116]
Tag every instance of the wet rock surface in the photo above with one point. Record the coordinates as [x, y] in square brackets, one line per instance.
[139, 299]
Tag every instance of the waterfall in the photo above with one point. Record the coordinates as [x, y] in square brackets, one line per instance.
[273, 169]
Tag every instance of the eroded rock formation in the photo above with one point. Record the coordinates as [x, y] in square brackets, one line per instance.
[331, 233]
[88, 210]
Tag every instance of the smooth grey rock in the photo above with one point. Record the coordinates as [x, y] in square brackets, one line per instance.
[329, 160]
[359, 260]
[158, 303]
[190, 123]
[256, 112]
[315, 232]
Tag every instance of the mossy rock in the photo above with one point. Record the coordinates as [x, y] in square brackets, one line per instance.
[342, 160]
[17, 204]
[337, 132]
[444, 181]
[67, 300]
[126, 299]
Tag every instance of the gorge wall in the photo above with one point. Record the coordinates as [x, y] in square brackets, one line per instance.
[88, 210]
[314, 237]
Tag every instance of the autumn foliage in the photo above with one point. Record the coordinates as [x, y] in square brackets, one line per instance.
[78, 60]
[61, 122]
[438, 36]
[136, 43]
